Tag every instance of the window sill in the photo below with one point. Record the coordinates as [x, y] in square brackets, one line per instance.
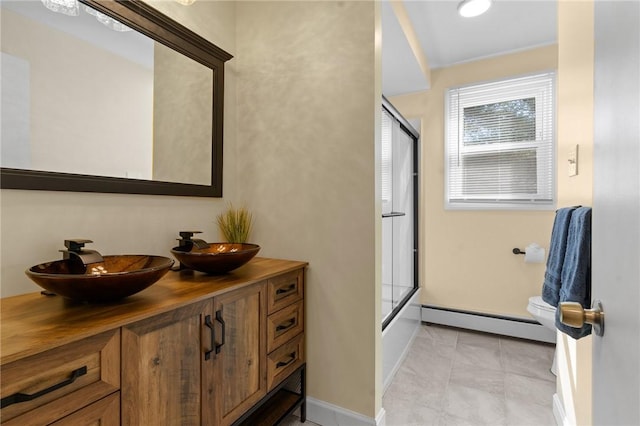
[497, 206]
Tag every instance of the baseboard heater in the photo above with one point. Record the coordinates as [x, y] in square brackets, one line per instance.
[523, 328]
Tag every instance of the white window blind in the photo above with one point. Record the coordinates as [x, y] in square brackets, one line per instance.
[500, 144]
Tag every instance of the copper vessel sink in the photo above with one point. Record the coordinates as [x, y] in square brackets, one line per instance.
[114, 278]
[218, 258]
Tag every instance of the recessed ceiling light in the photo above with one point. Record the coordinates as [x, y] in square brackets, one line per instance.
[471, 8]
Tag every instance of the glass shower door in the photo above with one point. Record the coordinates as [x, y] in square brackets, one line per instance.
[399, 212]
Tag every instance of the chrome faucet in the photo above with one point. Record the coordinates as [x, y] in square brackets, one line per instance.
[76, 250]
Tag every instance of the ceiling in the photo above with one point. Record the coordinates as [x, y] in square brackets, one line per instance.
[443, 38]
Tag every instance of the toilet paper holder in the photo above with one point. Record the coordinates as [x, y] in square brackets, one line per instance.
[533, 253]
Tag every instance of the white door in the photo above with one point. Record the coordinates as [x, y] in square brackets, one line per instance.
[616, 213]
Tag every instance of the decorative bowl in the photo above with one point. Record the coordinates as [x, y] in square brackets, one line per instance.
[114, 278]
[218, 258]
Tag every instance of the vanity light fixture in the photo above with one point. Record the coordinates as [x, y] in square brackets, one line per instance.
[67, 7]
[471, 8]
[186, 2]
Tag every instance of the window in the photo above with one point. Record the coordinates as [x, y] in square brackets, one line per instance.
[500, 144]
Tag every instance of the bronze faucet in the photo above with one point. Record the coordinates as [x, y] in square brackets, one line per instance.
[188, 242]
[76, 250]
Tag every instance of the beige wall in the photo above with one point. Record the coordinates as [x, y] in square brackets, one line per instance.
[307, 107]
[575, 126]
[467, 261]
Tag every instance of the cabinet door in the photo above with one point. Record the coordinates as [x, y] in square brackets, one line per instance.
[161, 360]
[238, 378]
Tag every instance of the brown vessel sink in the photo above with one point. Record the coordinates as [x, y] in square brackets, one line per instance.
[114, 278]
[218, 258]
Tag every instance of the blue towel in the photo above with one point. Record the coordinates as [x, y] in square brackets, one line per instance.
[557, 249]
[576, 270]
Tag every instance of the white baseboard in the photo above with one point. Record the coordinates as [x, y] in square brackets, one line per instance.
[558, 412]
[523, 328]
[326, 414]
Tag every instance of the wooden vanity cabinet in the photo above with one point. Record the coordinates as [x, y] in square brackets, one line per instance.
[161, 368]
[49, 386]
[285, 324]
[206, 363]
[105, 412]
[286, 368]
[191, 350]
[236, 375]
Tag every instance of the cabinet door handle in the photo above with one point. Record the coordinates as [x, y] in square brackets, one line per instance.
[286, 324]
[292, 357]
[285, 290]
[23, 397]
[212, 330]
[221, 321]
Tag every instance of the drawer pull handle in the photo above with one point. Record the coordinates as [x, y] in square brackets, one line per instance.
[23, 397]
[212, 329]
[285, 325]
[285, 290]
[292, 357]
[221, 321]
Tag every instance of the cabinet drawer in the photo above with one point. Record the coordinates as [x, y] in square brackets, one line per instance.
[105, 412]
[284, 290]
[284, 360]
[45, 387]
[284, 324]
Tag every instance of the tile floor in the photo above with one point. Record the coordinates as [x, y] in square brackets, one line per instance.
[458, 377]
[294, 420]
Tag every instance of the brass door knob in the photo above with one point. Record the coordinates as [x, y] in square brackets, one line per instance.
[574, 315]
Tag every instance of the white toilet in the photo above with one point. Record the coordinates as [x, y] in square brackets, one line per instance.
[545, 314]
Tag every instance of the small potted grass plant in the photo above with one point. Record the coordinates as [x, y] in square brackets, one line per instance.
[235, 224]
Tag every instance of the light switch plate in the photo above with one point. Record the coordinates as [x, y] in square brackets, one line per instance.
[573, 162]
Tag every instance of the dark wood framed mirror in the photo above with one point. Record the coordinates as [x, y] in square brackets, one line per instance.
[171, 123]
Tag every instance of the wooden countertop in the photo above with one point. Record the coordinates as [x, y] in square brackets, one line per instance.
[33, 323]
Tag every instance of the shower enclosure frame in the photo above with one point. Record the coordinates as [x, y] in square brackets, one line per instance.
[415, 139]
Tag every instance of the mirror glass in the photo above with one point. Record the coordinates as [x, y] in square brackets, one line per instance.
[85, 94]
